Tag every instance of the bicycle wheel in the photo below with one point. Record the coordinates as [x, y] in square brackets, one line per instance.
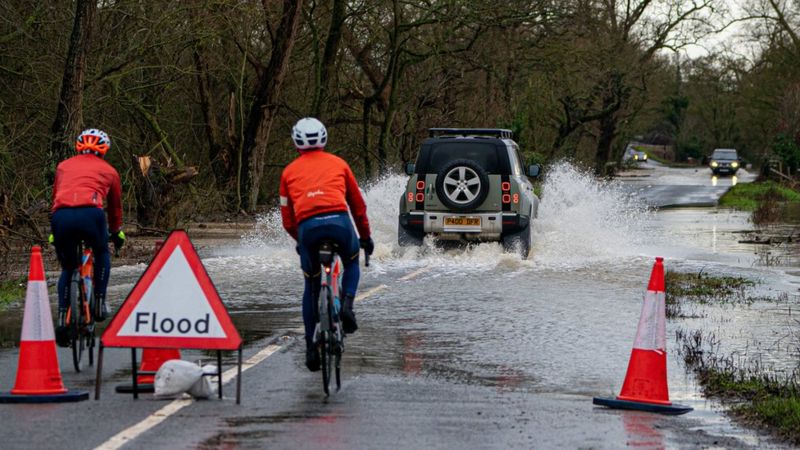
[76, 319]
[338, 359]
[89, 330]
[326, 348]
[325, 358]
[90, 342]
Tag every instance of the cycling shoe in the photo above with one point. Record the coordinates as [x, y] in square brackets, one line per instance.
[349, 316]
[312, 359]
[103, 314]
[62, 336]
[349, 324]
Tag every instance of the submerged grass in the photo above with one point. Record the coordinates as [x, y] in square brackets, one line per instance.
[699, 288]
[756, 396]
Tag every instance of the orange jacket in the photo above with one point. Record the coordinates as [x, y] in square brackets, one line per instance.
[318, 182]
[87, 180]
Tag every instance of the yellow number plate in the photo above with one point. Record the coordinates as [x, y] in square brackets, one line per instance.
[462, 221]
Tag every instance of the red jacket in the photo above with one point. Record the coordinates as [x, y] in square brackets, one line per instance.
[318, 182]
[87, 180]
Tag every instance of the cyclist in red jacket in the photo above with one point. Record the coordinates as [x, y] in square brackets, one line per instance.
[82, 184]
[316, 191]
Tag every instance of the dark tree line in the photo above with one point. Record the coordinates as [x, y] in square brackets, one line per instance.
[199, 96]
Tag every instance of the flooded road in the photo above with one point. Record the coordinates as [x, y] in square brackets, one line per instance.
[474, 347]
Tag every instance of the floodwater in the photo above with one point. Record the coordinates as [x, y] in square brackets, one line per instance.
[559, 323]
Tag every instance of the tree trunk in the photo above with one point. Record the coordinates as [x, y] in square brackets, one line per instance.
[69, 115]
[327, 68]
[262, 113]
[219, 152]
[365, 136]
[608, 131]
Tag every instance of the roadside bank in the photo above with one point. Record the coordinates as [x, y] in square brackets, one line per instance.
[755, 392]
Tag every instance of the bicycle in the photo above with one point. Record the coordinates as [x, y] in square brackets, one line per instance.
[82, 309]
[328, 333]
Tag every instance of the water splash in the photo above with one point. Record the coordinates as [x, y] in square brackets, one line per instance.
[582, 219]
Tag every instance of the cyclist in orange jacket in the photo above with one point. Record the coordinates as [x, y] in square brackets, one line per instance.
[82, 184]
[316, 191]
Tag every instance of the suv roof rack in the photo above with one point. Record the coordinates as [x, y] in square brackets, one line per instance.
[493, 132]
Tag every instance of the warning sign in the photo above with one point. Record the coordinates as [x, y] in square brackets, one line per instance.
[173, 305]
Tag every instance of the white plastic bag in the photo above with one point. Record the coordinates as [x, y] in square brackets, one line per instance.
[175, 377]
[203, 388]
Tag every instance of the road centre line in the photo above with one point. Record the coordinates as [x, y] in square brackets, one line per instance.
[132, 432]
[370, 292]
[414, 274]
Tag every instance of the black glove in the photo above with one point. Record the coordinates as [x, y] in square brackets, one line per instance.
[367, 245]
[118, 239]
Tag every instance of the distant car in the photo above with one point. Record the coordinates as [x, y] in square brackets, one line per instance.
[469, 185]
[724, 161]
[631, 154]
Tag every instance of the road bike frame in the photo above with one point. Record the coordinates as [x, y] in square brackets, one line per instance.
[329, 335]
[82, 305]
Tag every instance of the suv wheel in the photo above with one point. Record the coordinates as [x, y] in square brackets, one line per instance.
[519, 242]
[462, 185]
[407, 238]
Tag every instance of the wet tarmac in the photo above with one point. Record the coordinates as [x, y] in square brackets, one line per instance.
[469, 347]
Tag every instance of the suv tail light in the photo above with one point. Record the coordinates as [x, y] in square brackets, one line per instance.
[420, 185]
[506, 198]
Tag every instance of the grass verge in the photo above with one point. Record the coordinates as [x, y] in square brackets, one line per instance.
[757, 396]
[11, 290]
[765, 200]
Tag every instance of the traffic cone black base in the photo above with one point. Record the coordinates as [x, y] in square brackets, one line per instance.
[69, 396]
[673, 409]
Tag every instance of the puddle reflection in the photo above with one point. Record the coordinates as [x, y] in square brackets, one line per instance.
[715, 180]
[642, 430]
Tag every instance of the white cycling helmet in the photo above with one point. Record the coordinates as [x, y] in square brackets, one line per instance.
[309, 133]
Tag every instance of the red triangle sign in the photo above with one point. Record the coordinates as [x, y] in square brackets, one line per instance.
[173, 305]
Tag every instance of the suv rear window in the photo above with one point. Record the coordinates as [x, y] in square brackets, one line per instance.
[484, 153]
[724, 154]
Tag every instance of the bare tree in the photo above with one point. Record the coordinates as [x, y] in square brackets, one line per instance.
[69, 115]
[264, 108]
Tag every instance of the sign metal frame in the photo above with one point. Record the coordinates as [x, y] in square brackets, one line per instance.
[177, 239]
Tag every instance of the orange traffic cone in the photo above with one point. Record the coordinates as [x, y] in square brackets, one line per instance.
[38, 375]
[645, 386]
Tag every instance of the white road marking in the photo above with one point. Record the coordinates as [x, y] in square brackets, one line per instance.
[370, 292]
[131, 433]
[414, 274]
